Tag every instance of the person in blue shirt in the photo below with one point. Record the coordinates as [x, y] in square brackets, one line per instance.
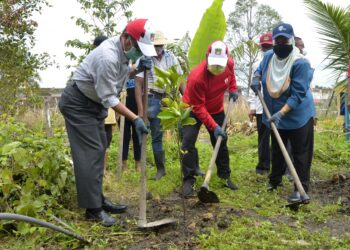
[285, 75]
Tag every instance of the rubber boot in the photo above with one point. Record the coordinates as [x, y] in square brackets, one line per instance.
[138, 166]
[159, 158]
[125, 166]
[198, 171]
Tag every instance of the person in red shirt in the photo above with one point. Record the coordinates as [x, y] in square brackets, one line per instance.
[205, 89]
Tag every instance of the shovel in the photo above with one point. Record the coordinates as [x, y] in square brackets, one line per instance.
[142, 222]
[304, 198]
[204, 194]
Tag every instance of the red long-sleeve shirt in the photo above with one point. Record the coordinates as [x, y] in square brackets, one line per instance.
[205, 91]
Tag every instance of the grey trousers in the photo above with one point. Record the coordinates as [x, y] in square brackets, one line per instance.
[84, 121]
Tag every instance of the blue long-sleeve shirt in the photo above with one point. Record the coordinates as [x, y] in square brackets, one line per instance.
[298, 95]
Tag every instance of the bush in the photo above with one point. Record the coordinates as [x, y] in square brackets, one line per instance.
[36, 173]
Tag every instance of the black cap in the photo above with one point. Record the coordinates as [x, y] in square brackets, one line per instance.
[99, 39]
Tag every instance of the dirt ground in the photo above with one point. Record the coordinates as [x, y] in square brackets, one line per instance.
[199, 217]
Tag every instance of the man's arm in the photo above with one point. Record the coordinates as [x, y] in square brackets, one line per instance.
[138, 94]
[123, 110]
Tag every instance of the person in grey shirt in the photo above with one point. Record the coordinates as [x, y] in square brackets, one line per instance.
[97, 83]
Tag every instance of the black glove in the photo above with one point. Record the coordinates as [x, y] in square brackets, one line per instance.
[219, 132]
[145, 63]
[255, 85]
[276, 118]
[140, 128]
[233, 96]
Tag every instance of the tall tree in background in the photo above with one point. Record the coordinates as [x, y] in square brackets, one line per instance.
[18, 65]
[102, 18]
[244, 26]
[333, 26]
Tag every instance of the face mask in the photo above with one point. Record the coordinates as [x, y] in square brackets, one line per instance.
[133, 54]
[159, 50]
[216, 69]
[304, 52]
[282, 50]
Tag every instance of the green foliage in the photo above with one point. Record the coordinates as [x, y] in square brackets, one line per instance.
[36, 174]
[174, 113]
[104, 18]
[333, 25]
[245, 25]
[211, 28]
[18, 65]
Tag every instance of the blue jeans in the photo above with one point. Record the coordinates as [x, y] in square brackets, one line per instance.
[154, 104]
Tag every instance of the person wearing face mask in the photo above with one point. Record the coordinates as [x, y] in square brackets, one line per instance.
[97, 83]
[205, 89]
[256, 110]
[164, 60]
[285, 77]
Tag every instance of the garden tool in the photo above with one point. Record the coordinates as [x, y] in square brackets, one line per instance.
[304, 198]
[121, 164]
[204, 194]
[142, 222]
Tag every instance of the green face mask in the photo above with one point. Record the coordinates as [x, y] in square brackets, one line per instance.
[133, 54]
[216, 69]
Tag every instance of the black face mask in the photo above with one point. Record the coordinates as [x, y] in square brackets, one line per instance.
[282, 50]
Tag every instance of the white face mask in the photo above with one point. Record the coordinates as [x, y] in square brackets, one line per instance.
[304, 52]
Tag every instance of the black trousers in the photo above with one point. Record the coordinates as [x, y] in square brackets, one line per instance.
[263, 144]
[302, 146]
[129, 127]
[84, 121]
[190, 135]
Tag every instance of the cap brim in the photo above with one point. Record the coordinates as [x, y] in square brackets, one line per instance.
[282, 34]
[268, 43]
[217, 61]
[147, 49]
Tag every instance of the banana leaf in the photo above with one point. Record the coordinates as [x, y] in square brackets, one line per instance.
[211, 28]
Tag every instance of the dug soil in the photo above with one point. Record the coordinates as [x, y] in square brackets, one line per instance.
[198, 217]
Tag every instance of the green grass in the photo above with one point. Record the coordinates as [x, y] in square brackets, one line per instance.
[260, 221]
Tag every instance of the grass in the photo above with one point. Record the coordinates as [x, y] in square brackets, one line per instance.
[259, 221]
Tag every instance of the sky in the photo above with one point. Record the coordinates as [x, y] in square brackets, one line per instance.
[174, 18]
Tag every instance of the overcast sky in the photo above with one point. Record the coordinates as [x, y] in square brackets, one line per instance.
[174, 18]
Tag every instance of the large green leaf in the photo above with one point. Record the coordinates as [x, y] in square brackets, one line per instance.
[333, 26]
[211, 28]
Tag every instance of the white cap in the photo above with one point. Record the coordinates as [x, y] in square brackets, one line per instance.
[218, 54]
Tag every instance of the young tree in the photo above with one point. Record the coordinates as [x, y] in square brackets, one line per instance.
[245, 25]
[103, 18]
[18, 65]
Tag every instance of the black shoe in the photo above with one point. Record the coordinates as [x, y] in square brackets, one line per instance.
[100, 216]
[271, 187]
[261, 171]
[187, 189]
[230, 184]
[198, 172]
[294, 197]
[108, 206]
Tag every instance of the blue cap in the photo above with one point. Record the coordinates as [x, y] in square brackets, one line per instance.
[283, 29]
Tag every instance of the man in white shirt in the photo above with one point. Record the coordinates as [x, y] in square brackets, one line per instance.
[256, 109]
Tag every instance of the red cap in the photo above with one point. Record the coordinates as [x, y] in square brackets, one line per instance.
[266, 39]
[142, 32]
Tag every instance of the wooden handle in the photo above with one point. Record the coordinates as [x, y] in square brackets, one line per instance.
[217, 146]
[283, 148]
[143, 184]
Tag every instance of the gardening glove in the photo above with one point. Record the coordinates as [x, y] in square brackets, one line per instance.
[140, 128]
[145, 63]
[276, 118]
[255, 85]
[219, 132]
[233, 96]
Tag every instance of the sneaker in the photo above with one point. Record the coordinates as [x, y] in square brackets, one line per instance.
[187, 189]
[230, 184]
